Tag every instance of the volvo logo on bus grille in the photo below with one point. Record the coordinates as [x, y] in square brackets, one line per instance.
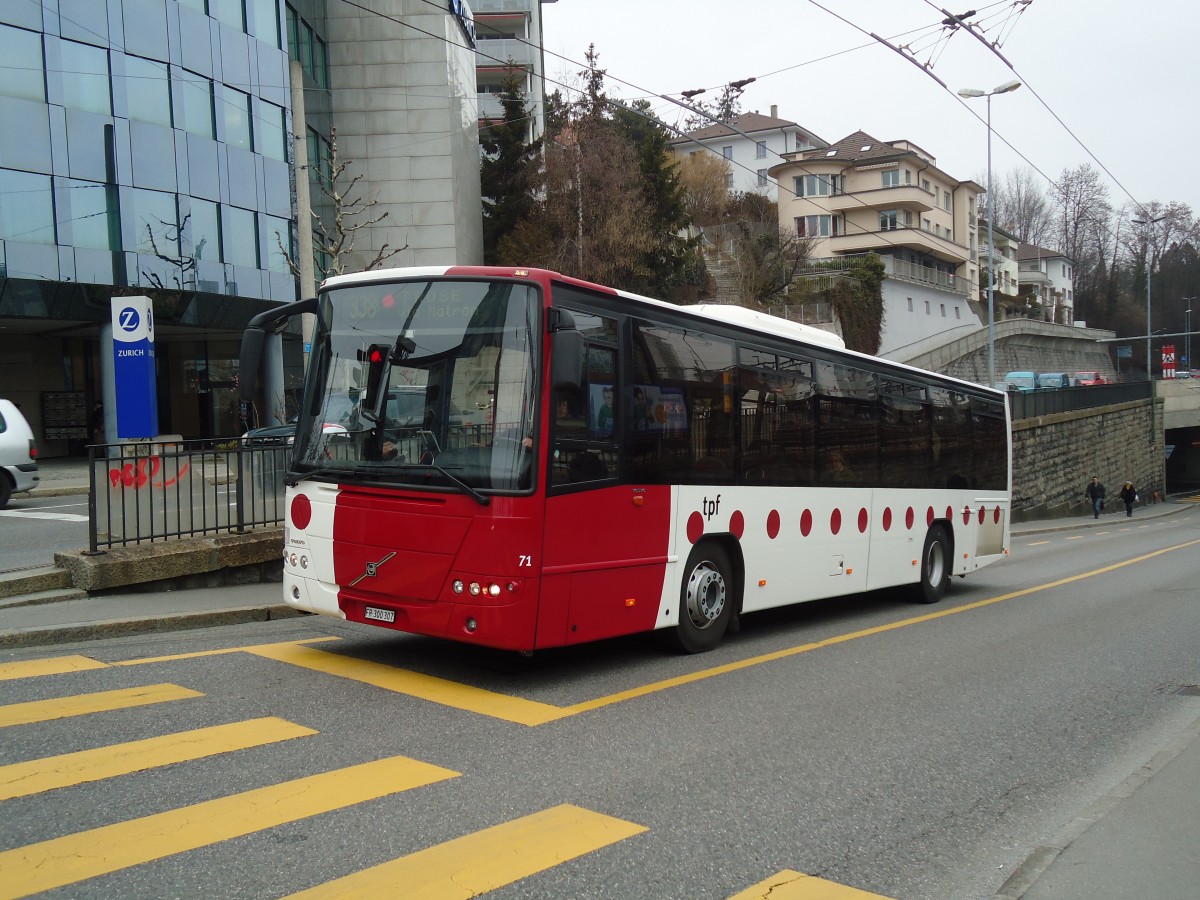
[372, 568]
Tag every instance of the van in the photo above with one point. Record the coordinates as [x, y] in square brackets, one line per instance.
[1021, 381]
[18, 453]
[1054, 380]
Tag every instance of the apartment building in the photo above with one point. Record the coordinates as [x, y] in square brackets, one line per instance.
[1047, 284]
[1004, 258]
[863, 195]
[752, 143]
[509, 38]
[145, 148]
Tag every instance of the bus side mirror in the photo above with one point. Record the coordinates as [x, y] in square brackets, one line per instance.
[376, 357]
[566, 364]
[250, 361]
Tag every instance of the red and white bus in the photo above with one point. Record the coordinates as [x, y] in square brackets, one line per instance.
[593, 463]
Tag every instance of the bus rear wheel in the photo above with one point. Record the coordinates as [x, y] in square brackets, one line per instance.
[706, 599]
[935, 566]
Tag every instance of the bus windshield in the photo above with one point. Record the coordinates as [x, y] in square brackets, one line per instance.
[423, 383]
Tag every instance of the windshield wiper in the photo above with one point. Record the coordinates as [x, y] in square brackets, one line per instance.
[294, 479]
[481, 499]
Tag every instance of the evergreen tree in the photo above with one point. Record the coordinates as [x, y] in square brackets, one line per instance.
[504, 169]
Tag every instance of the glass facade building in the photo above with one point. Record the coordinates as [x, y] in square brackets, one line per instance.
[144, 149]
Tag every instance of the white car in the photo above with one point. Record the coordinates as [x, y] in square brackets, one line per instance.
[18, 453]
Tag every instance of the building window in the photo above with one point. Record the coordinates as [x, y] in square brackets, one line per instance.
[193, 98]
[891, 177]
[727, 152]
[947, 202]
[147, 91]
[203, 230]
[24, 72]
[235, 112]
[943, 306]
[264, 15]
[762, 177]
[278, 232]
[887, 220]
[85, 80]
[87, 205]
[228, 11]
[925, 185]
[26, 208]
[957, 313]
[926, 307]
[155, 223]
[269, 130]
[815, 226]
[907, 176]
[818, 185]
[760, 152]
[926, 225]
[241, 237]
[910, 308]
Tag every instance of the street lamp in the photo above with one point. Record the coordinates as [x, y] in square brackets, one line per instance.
[1151, 223]
[970, 93]
[1187, 327]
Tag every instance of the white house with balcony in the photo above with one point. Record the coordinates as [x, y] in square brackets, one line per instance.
[752, 143]
[508, 36]
[1047, 283]
[1004, 258]
[863, 195]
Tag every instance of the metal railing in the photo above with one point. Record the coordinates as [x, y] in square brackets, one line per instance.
[1029, 404]
[142, 493]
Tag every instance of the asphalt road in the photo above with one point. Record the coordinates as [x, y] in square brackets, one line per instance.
[906, 751]
[33, 529]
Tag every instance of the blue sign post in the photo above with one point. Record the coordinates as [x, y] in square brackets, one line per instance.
[133, 367]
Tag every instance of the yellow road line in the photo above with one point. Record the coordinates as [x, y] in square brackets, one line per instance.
[85, 704]
[55, 665]
[1074, 537]
[654, 687]
[76, 857]
[1037, 543]
[197, 654]
[65, 770]
[789, 885]
[484, 861]
[414, 684]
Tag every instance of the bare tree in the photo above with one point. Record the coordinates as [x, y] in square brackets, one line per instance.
[1022, 207]
[705, 179]
[334, 234]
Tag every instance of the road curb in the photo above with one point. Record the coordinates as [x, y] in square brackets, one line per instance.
[42, 635]
[1017, 531]
[1042, 858]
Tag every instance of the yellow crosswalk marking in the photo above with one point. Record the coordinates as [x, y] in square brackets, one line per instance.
[54, 665]
[426, 687]
[75, 857]
[789, 885]
[85, 704]
[49, 773]
[484, 861]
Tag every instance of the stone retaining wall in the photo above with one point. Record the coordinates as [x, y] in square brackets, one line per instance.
[1055, 456]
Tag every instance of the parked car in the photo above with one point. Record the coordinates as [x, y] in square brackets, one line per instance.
[1090, 378]
[1021, 381]
[1053, 380]
[18, 453]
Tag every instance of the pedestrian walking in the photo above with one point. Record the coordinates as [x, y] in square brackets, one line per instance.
[1095, 492]
[1130, 497]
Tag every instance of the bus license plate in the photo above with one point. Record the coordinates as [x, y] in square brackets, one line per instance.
[379, 615]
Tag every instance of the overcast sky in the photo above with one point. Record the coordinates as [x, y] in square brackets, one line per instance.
[1120, 75]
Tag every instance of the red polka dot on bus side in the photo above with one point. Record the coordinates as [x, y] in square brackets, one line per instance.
[301, 510]
[909, 518]
[996, 516]
[835, 521]
[806, 522]
[929, 516]
[966, 515]
[950, 513]
[887, 518]
[981, 515]
[737, 524]
[773, 524]
[864, 519]
[695, 527]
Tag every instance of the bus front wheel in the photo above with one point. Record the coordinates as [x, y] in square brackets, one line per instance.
[706, 599]
[935, 566]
